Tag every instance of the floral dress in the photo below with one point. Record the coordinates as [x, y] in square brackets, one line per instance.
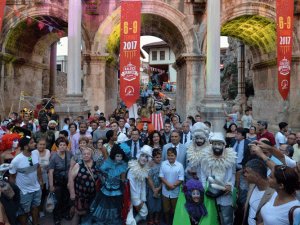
[85, 187]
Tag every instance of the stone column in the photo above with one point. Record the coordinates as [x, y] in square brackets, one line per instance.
[213, 49]
[74, 48]
[53, 71]
[190, 88]
[74, 104]
[211, 107]
[101, 82]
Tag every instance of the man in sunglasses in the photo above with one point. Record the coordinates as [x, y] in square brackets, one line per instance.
[26, 174]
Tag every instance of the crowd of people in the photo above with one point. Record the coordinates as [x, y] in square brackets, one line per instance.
[121, 170]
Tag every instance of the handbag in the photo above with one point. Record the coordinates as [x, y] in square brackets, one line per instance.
[50, 202]
[213, 192]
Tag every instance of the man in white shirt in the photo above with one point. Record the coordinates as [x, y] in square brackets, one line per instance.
[280, 137]
[26, 174]
[259, 192]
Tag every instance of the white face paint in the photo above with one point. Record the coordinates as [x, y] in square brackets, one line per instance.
[199, 140]
[143, 159]
[145, 127]
[118, 157]
[196, 196]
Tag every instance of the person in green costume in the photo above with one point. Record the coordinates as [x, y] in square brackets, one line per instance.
[195, 153]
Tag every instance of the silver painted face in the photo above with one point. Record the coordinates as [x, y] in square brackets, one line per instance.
[143, 159]
[199, 140]
[118, 158]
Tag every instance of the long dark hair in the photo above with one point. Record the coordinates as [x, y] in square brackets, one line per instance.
[288, 177]
[161, 143]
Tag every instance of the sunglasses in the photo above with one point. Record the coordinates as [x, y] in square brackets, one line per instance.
[30, 161]
[283, 168]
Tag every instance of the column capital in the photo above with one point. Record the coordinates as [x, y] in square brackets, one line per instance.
[93, 57]
[184, 57]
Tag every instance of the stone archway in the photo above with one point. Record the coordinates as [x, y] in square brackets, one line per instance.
[158, 19]
[27, 50]
[254, 24]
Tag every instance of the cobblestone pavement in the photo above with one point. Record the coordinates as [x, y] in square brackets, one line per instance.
[48, 220]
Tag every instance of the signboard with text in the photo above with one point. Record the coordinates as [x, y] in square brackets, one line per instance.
[130, 51]
[284, 19]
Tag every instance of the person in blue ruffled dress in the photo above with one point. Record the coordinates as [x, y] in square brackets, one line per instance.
[106, 208]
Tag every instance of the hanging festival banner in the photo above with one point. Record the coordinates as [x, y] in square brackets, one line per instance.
[130, 51]
[284, 19]
[2, 7]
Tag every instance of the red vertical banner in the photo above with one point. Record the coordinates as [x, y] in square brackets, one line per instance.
[2, 7]
[130, 51]
[284, 19]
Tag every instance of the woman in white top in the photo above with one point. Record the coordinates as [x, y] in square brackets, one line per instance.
[44, 161]
[285, 182]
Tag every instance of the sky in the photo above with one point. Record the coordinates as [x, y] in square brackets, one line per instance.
[62, 47]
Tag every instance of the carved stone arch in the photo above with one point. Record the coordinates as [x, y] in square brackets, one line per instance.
[155, 10]
[54, 11]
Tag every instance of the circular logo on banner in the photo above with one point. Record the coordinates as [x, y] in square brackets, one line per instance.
[284, 67]
[129, 72]
[129, 91]
[284, 84]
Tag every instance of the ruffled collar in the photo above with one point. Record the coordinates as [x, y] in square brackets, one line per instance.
[139, 172]
[196, 153]
[217, 166]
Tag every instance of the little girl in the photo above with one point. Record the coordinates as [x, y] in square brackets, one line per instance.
[154, 189]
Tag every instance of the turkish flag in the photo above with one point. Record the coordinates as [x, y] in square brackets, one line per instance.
[130, 51]
[2, 7]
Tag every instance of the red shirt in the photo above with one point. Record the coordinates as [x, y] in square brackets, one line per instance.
[267, 135]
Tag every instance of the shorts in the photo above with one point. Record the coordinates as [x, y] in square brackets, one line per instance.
[29, 200]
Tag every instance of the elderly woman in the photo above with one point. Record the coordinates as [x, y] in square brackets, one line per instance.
[82, 184]
[58, 179]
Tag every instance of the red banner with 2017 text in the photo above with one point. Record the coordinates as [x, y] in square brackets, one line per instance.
[284, 19]
[2, 7]
[130, 51]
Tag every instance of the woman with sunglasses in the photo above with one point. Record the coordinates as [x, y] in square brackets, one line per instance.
[285, 182]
